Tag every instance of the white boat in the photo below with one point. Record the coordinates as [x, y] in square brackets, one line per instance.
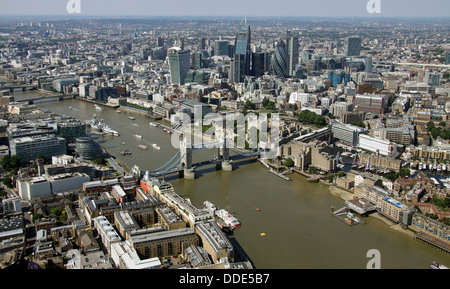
[138, 136]
[97, 107]
[156, 146]
[436, 265]
[118, 111]
[444, 167]
[420, 166]
[143, 147]
[132, 117]
[153, 124]
[228, 218]
[109, 130]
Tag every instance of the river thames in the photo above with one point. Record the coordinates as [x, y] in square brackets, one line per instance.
[300, 232]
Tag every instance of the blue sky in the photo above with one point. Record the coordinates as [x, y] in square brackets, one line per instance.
[321, 8]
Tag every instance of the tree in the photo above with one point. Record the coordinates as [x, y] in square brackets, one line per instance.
[7, 181]
[435, 132]
[340, 174]
[10, 162]
[430, 125]
[289, 162]
[404, 172]
[249, 105]
[100, 161]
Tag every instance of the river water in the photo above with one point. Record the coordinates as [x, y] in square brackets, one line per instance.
[295, 215]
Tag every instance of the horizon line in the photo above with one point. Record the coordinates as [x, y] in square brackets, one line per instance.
[370, 16]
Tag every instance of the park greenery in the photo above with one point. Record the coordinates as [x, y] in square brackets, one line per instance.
[440, 130]
[309, 117]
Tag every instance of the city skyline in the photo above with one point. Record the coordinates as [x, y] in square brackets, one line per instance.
[264, 8]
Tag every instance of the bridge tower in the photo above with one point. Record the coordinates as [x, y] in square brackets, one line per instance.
[224, 151]
[186, 161]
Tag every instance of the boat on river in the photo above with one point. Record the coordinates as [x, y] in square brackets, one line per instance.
[143, 147]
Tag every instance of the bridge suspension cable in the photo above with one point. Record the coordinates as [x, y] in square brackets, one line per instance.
[172, 166]
[166, 164]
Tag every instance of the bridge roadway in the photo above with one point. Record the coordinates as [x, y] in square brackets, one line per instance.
[204, 163]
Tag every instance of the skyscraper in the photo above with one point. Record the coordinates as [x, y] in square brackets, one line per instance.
[238, 68]
[352, 46]
[179, 64]
[280, 60]
[292, 51]
[260, 63]
[221, 47]
[242, 45]
[447, 62]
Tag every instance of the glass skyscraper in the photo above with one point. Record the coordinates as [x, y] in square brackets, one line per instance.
[242, 47]
[280, 65]
[221, 47]
[179, 64]
[352, 46]
[292, 51]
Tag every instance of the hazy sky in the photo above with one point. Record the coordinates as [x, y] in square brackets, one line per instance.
[325, 8]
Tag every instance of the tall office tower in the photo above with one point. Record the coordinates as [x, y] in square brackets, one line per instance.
[433, 79]
[197, 60]
[368, 63]
[179, 64]
[202, 43]
[280, 60]
[238, 68]
[352, 46]
[260, 63]
[292, 51]
[159, 41]
[306, 55]
[242, 45]
[221, 47]
[447, 62]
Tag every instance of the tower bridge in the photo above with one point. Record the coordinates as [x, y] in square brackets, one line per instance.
[182, 163]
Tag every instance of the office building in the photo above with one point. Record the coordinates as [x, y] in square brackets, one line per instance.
[260, 63]
[179, 64]
[352, 46]
[377, 145]
[238, 66]
[306, 55]
[221, 48]
[87, 148]
[29, 188]
[347, 133]
[30, 147]
[280, 65]
[371, 103]
[71, 130]
[12, 205]
[292, 51]
[242, 46]
[447, 62]
[338, 77]
[433, 79]
[340, 109]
